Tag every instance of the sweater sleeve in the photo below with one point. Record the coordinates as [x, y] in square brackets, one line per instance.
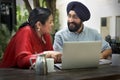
[25, 48]
[23, 58]
[23, 61]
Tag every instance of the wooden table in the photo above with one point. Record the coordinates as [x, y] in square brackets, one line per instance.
[103, 72]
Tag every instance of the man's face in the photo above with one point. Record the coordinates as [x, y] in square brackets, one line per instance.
[74, 22]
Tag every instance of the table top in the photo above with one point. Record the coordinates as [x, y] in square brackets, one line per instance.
[103, 72]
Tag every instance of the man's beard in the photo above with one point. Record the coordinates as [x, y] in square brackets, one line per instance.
[74, 27]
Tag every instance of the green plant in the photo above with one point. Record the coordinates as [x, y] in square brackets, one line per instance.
[56, 25]
[22, 15]
[4, 38]
[5, 34]
[56, 22]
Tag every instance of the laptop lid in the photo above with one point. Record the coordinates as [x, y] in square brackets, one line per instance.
[82, 54]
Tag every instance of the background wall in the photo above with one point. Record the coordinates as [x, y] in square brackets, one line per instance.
[98, 9]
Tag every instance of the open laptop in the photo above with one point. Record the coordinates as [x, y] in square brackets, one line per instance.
[80, 54]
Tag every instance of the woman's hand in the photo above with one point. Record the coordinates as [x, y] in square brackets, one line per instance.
[54, 54]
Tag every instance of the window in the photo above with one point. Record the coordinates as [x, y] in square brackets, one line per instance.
[103, 21]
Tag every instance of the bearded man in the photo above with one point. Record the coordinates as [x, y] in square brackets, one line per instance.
[77, 14]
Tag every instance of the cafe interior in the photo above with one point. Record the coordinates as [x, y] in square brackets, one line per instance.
[109, 27]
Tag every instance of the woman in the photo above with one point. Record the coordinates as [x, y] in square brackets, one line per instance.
[32, 38]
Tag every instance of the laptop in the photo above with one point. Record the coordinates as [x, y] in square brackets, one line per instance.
[80, 54]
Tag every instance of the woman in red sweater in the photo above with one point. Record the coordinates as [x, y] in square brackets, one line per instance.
[33, 37]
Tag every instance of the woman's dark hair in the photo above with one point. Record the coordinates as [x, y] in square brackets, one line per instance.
[37, 14]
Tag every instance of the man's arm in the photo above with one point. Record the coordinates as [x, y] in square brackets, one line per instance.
[105, 54]
[58, 43]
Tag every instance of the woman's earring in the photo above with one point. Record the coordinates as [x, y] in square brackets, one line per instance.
[38, 29]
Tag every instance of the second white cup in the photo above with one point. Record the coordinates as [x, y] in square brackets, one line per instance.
[115, 59]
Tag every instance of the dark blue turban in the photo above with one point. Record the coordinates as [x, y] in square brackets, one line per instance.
[81, 10]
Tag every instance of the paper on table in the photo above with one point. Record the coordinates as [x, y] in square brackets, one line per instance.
[104, 61]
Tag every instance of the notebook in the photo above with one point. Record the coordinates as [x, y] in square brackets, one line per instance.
[80, 54]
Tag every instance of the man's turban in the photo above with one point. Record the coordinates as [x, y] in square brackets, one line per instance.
[81, 10]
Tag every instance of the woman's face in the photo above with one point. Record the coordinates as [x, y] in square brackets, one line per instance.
[47, 27]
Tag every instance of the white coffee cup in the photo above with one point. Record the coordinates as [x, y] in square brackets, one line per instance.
[50, 64]
[115, 60]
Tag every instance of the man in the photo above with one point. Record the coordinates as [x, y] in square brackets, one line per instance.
[78, 13]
